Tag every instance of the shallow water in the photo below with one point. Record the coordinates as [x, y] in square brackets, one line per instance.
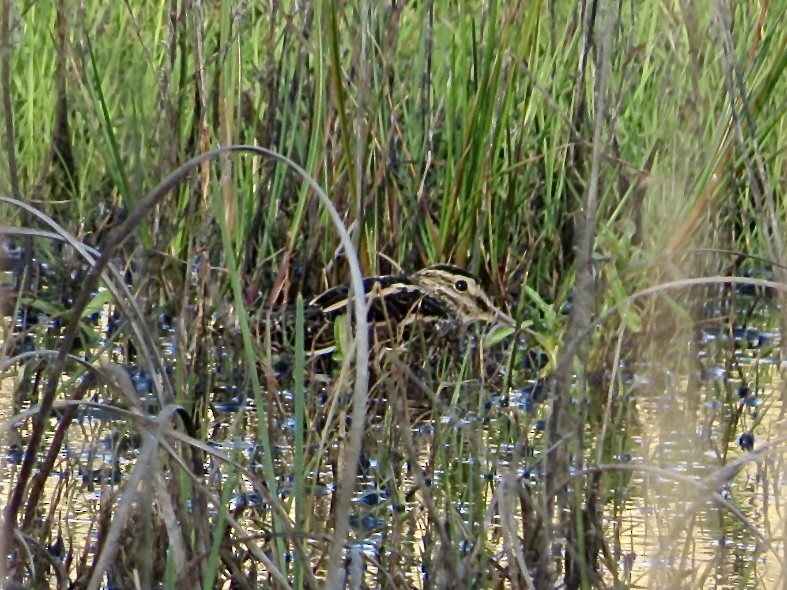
[669, 424]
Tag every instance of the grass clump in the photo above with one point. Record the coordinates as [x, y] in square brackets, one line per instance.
[610, 172]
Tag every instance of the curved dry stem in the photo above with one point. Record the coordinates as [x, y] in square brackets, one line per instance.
[115, 239]
[113, 279]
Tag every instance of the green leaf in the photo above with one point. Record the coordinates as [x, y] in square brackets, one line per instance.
[633, 320]
[102, 298]
[545, 308]
[497, 334]
[341, 336]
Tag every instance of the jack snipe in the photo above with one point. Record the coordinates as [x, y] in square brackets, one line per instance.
[439, 294]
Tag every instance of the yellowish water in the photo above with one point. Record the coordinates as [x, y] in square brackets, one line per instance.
[667, 531]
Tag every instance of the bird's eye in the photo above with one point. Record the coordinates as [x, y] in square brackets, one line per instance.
[460, 285]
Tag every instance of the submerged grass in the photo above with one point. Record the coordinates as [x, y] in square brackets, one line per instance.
[614, 168]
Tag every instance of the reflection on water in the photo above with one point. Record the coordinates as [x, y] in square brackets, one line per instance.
[663, 431]
[671, 526]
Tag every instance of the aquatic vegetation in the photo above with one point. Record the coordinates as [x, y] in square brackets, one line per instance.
[252, 365]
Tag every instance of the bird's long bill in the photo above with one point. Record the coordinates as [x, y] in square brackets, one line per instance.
[502, 318]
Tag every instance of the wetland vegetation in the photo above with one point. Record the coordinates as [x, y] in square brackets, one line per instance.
[195, 392]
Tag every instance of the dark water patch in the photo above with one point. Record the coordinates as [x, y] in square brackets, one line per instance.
[14, 454]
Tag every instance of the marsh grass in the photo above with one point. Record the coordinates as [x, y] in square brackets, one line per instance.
[612, 172]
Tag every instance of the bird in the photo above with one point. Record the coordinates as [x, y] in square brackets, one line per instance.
[434, 297]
